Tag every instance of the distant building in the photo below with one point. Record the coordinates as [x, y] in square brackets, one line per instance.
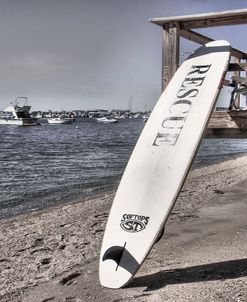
[97, 113]
[79, 113]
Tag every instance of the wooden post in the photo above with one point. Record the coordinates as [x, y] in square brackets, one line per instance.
[170, 53]
[246, 94]
[237, 98]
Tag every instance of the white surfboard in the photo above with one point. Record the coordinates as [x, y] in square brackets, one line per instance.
[160, 162]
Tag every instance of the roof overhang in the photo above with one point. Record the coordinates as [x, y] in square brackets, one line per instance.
[233, 17]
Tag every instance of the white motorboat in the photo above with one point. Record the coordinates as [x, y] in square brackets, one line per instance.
[107, 120]
[60, 120]
[17, 113]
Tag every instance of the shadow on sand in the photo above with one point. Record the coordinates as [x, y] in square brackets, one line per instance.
[214, 271]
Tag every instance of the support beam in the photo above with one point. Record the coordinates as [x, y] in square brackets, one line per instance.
[194, 36]
[237, 67]
[201, 39]
[239, 80]
[170, 54]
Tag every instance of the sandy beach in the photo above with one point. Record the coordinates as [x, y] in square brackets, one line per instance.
[53, 255]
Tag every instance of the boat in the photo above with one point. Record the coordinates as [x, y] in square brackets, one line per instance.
[17, 113]
[109, 120]
[60, 120]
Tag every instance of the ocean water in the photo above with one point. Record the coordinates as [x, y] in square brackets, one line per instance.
[53, 164]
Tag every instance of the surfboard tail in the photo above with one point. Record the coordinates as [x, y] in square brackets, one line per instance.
[121, 266]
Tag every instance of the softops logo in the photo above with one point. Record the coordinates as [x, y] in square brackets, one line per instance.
[134, 223]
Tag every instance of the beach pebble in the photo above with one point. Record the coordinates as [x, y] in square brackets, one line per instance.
[48, 299]
[45, 261]
[65, 280]
[38, 242]
[218, 192]
[62, 247]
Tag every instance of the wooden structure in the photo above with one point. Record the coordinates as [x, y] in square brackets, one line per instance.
[178, 27]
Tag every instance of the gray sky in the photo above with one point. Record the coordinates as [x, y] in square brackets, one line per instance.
[87, 54]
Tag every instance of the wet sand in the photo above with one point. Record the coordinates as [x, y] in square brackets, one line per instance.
[53, 255]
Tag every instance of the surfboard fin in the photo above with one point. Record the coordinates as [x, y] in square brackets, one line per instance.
[114, 253]
[122, 257]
